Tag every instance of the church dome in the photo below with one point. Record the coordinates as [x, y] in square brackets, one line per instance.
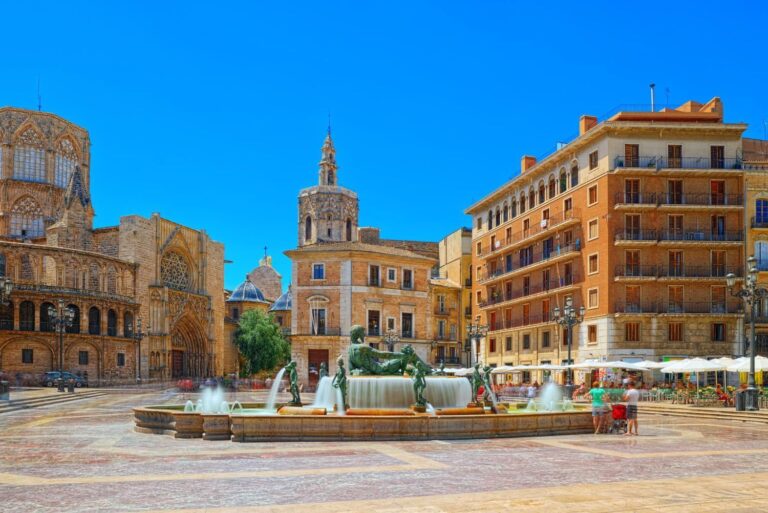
[283, 302]
[246, 291]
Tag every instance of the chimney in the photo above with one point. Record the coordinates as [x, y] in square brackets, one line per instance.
[368, 235]
[587, 123]
[526, 163]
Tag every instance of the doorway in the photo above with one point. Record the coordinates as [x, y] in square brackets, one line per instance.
[316, 357]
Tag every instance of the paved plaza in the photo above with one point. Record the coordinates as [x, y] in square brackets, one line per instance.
[85, 456]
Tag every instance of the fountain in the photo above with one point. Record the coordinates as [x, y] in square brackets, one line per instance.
[388, 395]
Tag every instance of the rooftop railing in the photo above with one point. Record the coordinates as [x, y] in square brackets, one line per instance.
[659, 162]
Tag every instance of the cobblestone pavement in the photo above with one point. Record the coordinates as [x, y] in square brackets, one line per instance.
[85, 457]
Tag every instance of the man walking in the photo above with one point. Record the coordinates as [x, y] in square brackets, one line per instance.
[631, 396]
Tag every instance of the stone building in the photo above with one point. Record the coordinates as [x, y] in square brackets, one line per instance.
[267, 279]
[343, 275]
[639, 219]
[244, 298]
[756, 220]
[154, 270]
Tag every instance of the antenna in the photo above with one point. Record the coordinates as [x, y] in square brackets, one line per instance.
[329, 122]
[39, 98]
[666, 91]
[265, 252]
[653, 97]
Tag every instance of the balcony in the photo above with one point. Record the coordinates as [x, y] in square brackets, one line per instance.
[445, 337]
[636, 271]
[468, 282]
[697, 271]
[519, 322]
[678, 307]
[325, 332]
[631, 235]
[635, 307]
[701, 199]
[658, 162]
[534, 259]
[524, 292]
[636, 199]
[444, 310]
[448, 360]
[699, 235]
[543, 226]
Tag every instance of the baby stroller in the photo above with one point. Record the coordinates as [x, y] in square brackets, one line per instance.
[619, 416]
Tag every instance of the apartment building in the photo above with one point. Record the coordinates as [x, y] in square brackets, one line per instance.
[638, 219]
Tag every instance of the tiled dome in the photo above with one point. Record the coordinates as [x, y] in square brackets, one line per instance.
[246, 291]
[283, 302]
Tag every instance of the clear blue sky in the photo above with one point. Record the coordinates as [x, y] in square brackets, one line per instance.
[213, 113]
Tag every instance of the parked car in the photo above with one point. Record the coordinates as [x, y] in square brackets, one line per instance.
[49, 379]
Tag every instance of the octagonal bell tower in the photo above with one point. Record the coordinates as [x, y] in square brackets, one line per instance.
[327, 212]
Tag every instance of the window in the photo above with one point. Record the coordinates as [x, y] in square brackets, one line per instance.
[29, 157]
[490, 219]
[675, 299]
[531, 198]
[674, 156]
[318, 271]
[307, 229]
[593, 263]
[717, 157]
[675, 192]
[374, 323]
[279, 320]
[592, 299]
[527, 341]
[545, 309]
[513, 208]
[717, 192]
[479, 248]
[675, 260]
[390, 323]
[592, 195]
[718, 332]
[632, 190]
[593, 160]
[128, 324]
[574, 174]
[236, 313]
[552, 187]
[111, 323]
[479, 297]
[592, 333]
[718, 263]
[27, 356]
[317, 321]
[631, 156]
[545, 343]
[492, 345]
[522, 203]
[632, 263]
[121, 359]
[94, 321]
[27, 316]
[632, 332]
[45, 318]
[392, 274]
[593, 233]
[568, 207]
[407, 279]
[479, 223]
[718, 299]
[82, 357]
[26, 218]
[542, 193]
[66, 160]
[75, 328]
[373, 276]
[508, 344]
[349, 229]
[406, 322]
[761, 213]
[632, 298]
[563, 181]
[174, 271]
[675, 332]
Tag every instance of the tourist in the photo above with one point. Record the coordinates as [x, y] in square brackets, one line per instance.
[597, 394]
[531, 391]
[631, 396]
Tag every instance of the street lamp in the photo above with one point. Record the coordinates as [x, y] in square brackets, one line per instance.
[61, 318]
[475, 332]
[568, 318]
[6, 287]
[751, 294]
[137, 336]
[391, 338]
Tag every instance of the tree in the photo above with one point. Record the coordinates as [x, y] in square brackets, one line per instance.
[261, 343]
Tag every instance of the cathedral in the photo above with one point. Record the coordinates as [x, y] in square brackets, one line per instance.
[144, 299]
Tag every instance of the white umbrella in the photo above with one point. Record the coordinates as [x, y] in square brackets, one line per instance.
[694, 365]
[742, 365]
[608, 365]
[503, 369]
[649, 364]
[459, 372]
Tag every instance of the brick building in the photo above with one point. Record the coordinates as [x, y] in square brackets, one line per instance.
[163, 273]
[639, 219]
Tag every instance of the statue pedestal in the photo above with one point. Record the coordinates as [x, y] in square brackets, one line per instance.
[294, 404]
[419, 409]
[475, 404]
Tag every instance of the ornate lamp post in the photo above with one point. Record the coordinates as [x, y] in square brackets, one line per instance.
[474, 333]
[751, 294]
[391, 338]
[61, 318]
[568, 318]
[138, 336]
[6, 287]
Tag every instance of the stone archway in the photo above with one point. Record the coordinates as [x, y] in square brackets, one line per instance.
[189, 354]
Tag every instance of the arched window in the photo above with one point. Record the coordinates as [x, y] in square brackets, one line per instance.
[66, 160]
[111, 323]
[112, 280]
[522, 203]
[531, 198]
[174, 271]
[2, 264]
[349, 229]
[552, 187]
[331, 177]
[94, 321]
[26, 218]
[506, 212]
[75, 328]
[542, 193]
[93, 277]
[513, 208]
[498, 216]
[490, 219]
[128, 325]
[563, 182]
[6, 316]
[574, 174]
[29, 157]
[45, 318]
[308, 229]
[27, 316]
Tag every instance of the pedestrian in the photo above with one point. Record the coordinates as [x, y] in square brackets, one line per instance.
[632, 395]
[597, 394]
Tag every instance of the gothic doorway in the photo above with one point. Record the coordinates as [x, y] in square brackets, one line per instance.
[190, 358]
[177, 363]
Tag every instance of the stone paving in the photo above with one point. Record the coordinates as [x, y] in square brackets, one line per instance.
[85, 456]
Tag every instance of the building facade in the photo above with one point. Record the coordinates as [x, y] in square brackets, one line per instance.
[163, 273]
[639, 219]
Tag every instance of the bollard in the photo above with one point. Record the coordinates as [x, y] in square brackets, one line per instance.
[71, 386]
[5, 388]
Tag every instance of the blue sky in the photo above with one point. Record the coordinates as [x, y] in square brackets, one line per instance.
[213, 114]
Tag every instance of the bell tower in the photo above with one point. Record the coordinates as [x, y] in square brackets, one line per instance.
[327, 212]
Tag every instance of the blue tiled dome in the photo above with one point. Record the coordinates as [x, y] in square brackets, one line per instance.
[283, 302]
[246, 291]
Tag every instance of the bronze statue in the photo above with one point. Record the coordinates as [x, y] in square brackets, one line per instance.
[419, 384]
[323, 371]
[441, 370]
[477, 380]
[340, 380]
[365, 360]
[488, 385]
[294, 380]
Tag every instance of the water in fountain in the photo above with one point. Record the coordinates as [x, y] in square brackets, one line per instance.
[397, 392]
[273, 391]
[531, 405]
[210, 400]
[340, 402]
[550, 396]
[189, 406]
[236, 405]
[223, 407]
[325, 397]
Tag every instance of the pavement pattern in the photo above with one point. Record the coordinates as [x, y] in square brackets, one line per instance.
[85, 457]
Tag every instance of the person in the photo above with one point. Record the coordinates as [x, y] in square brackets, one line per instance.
[631, 396]
[598, 395]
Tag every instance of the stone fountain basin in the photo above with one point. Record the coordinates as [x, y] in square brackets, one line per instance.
[297, 427]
